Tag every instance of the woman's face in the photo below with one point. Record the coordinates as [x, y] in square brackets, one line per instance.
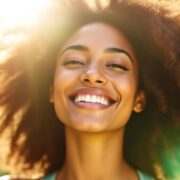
[95, 82]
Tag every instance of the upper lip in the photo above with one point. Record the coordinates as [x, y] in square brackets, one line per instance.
[93, 91]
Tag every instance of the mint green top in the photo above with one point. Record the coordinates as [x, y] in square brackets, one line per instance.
[141, 175]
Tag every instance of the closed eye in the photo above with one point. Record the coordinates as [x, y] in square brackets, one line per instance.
[118, 66]
[73, 62]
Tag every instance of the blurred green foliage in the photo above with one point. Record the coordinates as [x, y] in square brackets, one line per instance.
[2, 173]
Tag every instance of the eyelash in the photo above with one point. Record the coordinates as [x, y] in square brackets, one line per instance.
[119, 66]
[113, 65]
[73, 62]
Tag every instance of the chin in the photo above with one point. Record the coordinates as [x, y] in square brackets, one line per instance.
[89, 124]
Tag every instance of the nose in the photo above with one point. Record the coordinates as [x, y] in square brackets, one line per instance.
[93, 77]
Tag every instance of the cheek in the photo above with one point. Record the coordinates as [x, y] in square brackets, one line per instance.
[61, 75]
[126, 87]
[63, 82]
[126, 84]
[64, 78]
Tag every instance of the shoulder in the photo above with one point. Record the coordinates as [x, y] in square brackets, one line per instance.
[143, 176]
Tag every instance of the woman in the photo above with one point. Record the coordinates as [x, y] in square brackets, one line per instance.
[111, 86]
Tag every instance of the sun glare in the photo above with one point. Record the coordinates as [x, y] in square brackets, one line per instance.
[21, 12]
[16, 16]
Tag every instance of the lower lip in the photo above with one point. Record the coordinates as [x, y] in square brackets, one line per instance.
[90, 106]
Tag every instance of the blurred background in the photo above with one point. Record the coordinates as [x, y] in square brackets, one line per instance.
[20, 19]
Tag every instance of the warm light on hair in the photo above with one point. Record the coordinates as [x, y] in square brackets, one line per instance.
[94, 4]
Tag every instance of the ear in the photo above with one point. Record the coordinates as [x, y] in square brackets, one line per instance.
[140, 101]
[51, 94]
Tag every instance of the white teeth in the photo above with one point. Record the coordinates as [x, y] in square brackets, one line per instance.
[91, 99]
[87, 98]
[98, 100]
[83, 98]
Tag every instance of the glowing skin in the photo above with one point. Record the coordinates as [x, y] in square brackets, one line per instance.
[95, 55]
[94, 93]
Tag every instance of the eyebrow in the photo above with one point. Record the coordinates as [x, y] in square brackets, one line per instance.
[118, 50]
[107, 50]
[75, 47]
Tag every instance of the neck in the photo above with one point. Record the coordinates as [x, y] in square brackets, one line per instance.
[94, 156]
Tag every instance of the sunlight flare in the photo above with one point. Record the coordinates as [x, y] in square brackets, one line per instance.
[21, 12]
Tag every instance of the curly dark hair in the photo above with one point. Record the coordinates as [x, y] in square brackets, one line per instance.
[37, 136]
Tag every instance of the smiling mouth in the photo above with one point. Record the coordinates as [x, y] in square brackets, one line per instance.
[91, 101]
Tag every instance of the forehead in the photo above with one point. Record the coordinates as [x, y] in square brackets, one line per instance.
[99, 36]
